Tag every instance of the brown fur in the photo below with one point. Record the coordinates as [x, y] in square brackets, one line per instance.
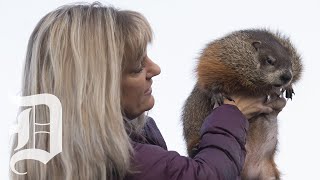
[238, 64]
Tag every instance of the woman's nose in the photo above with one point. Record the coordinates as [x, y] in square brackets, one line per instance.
[153, 69]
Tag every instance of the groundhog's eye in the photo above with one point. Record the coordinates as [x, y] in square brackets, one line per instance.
[270, 60]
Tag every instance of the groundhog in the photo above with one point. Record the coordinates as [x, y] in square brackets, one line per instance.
[252, 62]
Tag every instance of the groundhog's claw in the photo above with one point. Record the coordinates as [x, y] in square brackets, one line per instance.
[289, 93]
[229, 98]
[194, 150]
[216, 98]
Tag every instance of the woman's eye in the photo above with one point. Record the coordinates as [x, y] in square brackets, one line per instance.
[141, 66]
[138, 70]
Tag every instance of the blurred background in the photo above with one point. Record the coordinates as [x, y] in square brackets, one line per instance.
[181, 30]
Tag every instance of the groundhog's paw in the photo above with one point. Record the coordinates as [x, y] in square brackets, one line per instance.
[289, 92]
[194, 151]
[216, 99]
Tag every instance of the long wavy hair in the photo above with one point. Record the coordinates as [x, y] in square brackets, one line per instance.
[78, 53]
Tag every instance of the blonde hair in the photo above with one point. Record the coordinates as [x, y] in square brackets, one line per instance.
[78, 53]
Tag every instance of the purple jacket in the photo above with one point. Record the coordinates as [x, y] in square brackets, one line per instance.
[221, 151]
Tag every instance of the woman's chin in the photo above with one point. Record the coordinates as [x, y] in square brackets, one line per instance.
[150, 103]
[144, 106]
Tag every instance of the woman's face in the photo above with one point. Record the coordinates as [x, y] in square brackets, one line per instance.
[136, 96]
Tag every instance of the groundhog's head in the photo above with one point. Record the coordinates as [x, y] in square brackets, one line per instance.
[253, 61]
[274, 63]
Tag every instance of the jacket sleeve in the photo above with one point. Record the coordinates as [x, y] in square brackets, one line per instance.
[221, 152]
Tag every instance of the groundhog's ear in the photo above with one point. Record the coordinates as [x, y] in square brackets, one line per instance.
[256, 44]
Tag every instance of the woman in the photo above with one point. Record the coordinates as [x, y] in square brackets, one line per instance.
[94, 59]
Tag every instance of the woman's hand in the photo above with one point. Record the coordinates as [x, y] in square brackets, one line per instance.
[253, 106]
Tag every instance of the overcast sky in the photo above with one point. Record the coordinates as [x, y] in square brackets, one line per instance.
[181, 29]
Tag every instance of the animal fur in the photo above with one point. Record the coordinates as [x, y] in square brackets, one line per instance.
[250, 62]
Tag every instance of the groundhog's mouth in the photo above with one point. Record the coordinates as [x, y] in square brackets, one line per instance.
[278, 85]
[277, 90]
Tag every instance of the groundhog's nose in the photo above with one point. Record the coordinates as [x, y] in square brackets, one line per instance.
[286, 77]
